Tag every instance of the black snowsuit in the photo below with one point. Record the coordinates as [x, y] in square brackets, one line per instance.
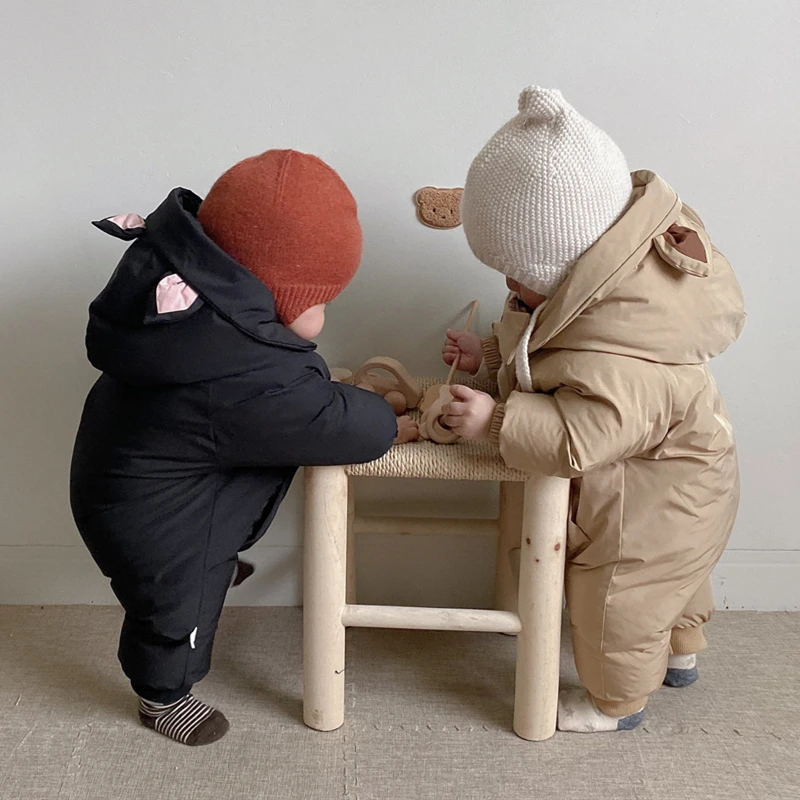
[190, 439]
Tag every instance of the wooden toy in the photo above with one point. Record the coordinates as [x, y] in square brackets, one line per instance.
[397, 400]
[431, 426]
[400, 390]
[341, 375]
[380, 384]
[403, 393]
[436, 398]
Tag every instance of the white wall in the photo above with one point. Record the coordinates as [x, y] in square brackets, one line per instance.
[106, 107]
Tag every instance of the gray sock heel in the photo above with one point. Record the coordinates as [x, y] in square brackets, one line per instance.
[631, 722]
[680, 678]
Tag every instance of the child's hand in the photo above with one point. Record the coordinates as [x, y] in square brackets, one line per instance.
[469, 345]
[469, 413]
[407, 430]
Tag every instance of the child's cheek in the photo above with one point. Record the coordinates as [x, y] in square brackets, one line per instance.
[531, 299]
[310, 323]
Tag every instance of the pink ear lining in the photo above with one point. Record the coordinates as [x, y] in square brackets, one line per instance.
[127, 221]
[174, 294]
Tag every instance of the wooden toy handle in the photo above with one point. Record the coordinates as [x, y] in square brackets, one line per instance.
[453, 369]
[405, 383]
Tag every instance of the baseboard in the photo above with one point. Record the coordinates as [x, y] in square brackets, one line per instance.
[66, 575]
[758, 580]
[754, 580]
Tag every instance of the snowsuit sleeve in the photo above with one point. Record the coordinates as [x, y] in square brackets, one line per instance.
[492, 360]
[310, 422]
[612, 409]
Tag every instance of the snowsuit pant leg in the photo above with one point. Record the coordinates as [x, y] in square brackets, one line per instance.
[173, 604]
[628, 584]
[687, 636]
[166, 643]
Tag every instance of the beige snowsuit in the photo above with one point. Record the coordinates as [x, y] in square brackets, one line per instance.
[624, 404]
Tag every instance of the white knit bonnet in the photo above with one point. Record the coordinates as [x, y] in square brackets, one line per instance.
[542, 191]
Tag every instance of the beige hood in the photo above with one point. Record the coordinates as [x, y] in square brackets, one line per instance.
[653, 287]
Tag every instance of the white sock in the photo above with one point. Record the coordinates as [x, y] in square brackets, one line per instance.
[681, 671]
[682, 662]
[578, 713]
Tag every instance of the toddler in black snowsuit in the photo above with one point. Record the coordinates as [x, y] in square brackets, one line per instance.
[211, 396]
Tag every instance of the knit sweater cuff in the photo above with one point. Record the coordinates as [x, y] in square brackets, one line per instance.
[497, 424]
[491, 354]
[684, 641]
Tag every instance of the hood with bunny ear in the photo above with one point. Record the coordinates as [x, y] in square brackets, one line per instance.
[542, 191]
[178, 309]
[652, 287]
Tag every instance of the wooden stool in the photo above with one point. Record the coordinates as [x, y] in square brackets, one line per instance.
[532, 522]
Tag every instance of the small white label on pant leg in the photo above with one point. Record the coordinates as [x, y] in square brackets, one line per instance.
[192, 637]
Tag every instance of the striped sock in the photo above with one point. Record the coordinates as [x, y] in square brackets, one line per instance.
[187, 720]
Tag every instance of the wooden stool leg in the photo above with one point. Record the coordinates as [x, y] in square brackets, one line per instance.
[324, 581]
[351, 545]
[506, 576]
[541, 584]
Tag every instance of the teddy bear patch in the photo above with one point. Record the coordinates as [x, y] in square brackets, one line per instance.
[438, 208]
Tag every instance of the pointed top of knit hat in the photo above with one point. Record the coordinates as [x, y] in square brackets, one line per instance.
[542, 191]
[541, 105]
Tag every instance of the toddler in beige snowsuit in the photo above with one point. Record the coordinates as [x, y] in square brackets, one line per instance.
[618, 302]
